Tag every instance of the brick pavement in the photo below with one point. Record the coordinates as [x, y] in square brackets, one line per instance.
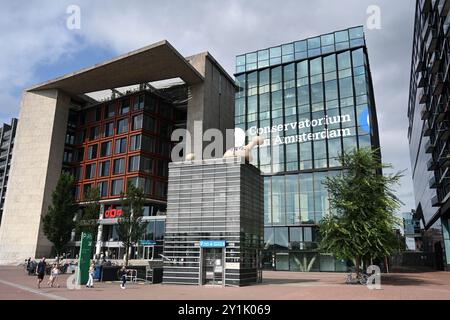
[15, 284]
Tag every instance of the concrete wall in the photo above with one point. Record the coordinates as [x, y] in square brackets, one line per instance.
[35, 170]
[213, 101]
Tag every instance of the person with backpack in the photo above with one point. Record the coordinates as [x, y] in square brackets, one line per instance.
[40, 271]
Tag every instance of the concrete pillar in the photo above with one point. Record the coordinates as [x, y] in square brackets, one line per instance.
[98, 245]
[35, 169]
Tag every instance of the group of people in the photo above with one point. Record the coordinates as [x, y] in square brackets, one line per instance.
[41, 269]
[54, 273]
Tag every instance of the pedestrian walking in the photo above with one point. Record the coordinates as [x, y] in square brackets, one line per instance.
[54, 273]
[123, 277]
[90, 283]
[40, 271]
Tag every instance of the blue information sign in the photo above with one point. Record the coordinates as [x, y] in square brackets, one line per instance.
[212, 243]
[147, 242]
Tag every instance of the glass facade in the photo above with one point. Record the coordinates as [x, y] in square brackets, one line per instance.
[429, 118]
[7, 135]
[309, 100]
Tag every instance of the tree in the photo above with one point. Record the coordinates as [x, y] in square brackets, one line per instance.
[58, 223]
[131, 227]
[362, 225]
[88, 222]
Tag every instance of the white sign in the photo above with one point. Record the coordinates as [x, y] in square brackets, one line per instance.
[232, 265]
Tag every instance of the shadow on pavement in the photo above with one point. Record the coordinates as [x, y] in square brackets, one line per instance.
[270, 281]
[404, 280]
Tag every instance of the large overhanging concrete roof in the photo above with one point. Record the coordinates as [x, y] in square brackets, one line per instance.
[159, 61]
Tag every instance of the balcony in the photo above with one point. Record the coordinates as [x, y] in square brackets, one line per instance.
[3, 154]
[426, 6]
[431, 165]
[444, 131]
[424, 113]
[422, 80]
[431, 42]
[429, 147]
[443, 7]
[426, 129]
[447, 26]
[438, 84]
[433, 183]
[435, 62]
[435, 202]
[423, 96]
[445, 161]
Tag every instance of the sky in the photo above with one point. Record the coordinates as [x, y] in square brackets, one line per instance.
[37, 45]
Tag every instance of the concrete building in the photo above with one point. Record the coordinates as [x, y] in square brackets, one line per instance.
[214, 230]
[7, 135]
[429, 122]
[63, 128]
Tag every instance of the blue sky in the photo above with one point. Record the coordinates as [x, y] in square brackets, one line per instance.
[39, 46]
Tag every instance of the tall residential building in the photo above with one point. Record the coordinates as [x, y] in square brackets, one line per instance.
[310, 100]
[429, 116]
[7, 134]
[109, 142]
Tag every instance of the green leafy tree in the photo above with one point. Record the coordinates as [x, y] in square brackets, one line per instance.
[88, 222]
[58, 223]
[362, 225]
[131, 227]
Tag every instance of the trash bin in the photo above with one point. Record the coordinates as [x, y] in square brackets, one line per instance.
[97, 273]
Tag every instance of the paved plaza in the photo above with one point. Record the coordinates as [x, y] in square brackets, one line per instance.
[15, 284]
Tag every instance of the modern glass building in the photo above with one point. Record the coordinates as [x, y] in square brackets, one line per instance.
[429, 120]
[310, 100]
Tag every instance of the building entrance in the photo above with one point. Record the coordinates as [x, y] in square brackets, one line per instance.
[213, 266]
[146, 252]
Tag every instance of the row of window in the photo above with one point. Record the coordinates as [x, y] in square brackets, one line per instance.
[137, 163]
[299, 50]
[105, 149]
[138, 122]
[121, 107]
[296, 199]
[116, 187]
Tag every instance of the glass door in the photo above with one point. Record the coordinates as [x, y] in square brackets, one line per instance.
[212, 266]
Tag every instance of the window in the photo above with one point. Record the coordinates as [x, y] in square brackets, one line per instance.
[161, 189]
[104, 168]
[346, 87]
[137, 122]
[105, 149]
[110, 111]
[327, 40]
[135, 142]
[149, 124]
[133, 163]
[148, 144]
[125, 106]
[122, 126]
[357, 32]
[281, 238]
[92, 152]
[344, 60]
[80, 154]
[139, 102]
[341, 36]
[120, 146]
[90, 171]
[108, 130]
[93, 133]
[98, 114]
[119, 166]
[358, 58]
[79, 137]
[116, 187]
[103, 188]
